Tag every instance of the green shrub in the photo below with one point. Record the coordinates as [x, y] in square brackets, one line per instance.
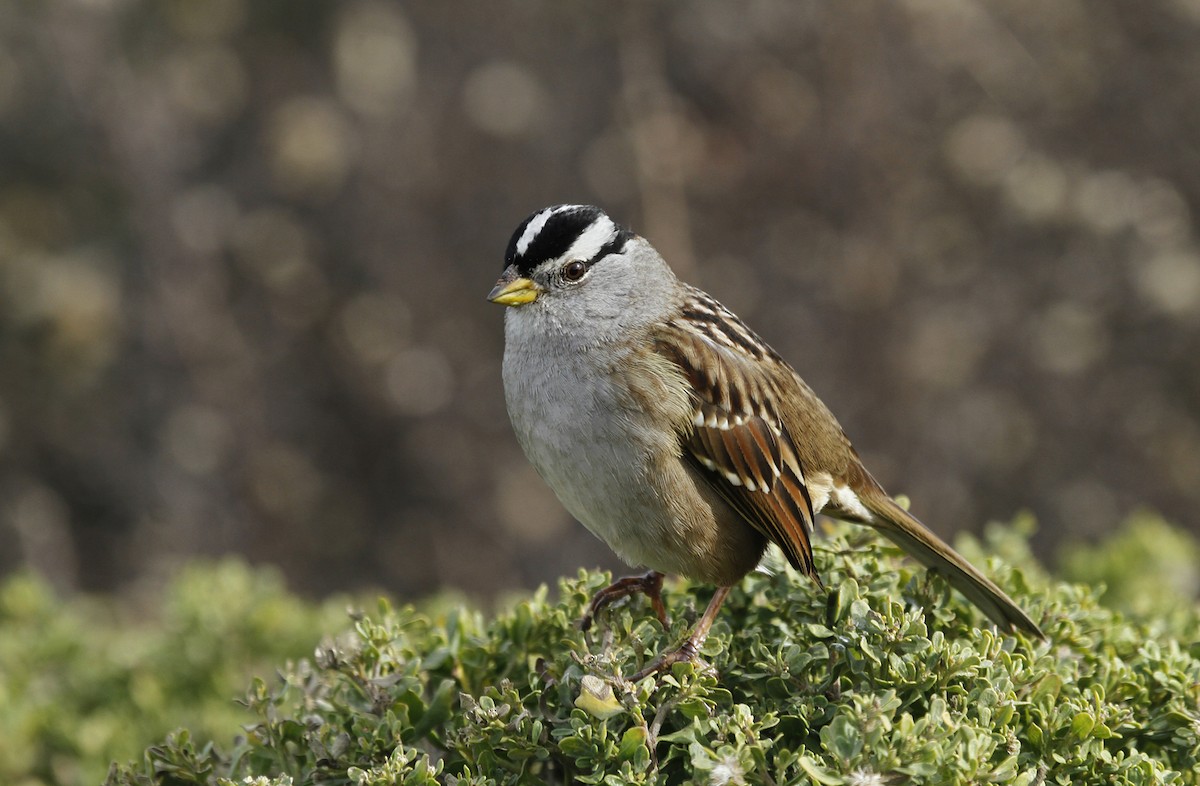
[1148, 570]
[885, 678]
[86, 682]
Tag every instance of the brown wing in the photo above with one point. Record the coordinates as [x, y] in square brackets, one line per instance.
[739, 443]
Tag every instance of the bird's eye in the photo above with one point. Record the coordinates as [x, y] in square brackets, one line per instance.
[573, 271]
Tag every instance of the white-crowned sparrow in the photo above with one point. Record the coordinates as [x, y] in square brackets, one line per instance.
[671, 430]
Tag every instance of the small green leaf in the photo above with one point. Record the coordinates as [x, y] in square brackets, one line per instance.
[847, 592]
[1082, 725]
[818, 773]
[438, 709]
[1047, 689]
[842, 738]
[633, 741]
[596, 698]
[693, 708]
[574, 746]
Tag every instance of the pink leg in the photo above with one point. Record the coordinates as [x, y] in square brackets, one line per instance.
[649, 584]
[692, 644]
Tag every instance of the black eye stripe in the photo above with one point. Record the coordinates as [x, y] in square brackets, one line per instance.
[614, 246]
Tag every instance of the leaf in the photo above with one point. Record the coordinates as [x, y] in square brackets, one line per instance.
[633, 741]
[1082, 724]
[841, 600]
[842, 739]
[596, 698]
[819, 774]
[438, 709]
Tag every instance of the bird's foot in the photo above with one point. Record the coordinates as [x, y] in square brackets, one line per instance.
[690, 649]
[649, 584]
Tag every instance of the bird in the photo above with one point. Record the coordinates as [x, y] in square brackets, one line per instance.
[673, 432]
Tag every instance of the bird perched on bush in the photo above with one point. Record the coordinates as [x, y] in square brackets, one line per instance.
[672, 431]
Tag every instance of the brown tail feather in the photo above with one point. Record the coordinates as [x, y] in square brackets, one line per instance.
[903, 529]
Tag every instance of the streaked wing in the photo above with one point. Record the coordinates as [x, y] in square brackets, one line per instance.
[736, 437]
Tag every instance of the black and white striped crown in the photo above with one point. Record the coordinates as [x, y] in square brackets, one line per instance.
[581, 232]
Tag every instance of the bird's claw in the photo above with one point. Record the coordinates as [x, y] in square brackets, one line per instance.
[648, 584]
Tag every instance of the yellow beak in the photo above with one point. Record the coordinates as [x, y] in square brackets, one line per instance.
[514, 290]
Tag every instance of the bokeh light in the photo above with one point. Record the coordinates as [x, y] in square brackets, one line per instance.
[244, 249]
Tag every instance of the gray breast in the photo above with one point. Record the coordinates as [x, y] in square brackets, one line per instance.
[583, 436]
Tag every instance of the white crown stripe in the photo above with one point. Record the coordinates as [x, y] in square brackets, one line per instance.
[592, 239]
[535, 226]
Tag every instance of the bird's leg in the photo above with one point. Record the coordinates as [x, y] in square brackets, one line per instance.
[692, 644]
[649, 584]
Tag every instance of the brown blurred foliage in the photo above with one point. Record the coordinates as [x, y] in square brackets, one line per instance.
[244, 248]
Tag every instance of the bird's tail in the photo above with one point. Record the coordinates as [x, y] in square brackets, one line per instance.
[903, 529]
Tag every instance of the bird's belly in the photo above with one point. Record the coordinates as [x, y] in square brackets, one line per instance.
[613, 472]
[618, 469]
[595, 460]
[597, 474]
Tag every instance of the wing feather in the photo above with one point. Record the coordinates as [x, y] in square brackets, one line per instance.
[744, 453]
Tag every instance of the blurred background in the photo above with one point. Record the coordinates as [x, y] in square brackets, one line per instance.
[244, 248]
